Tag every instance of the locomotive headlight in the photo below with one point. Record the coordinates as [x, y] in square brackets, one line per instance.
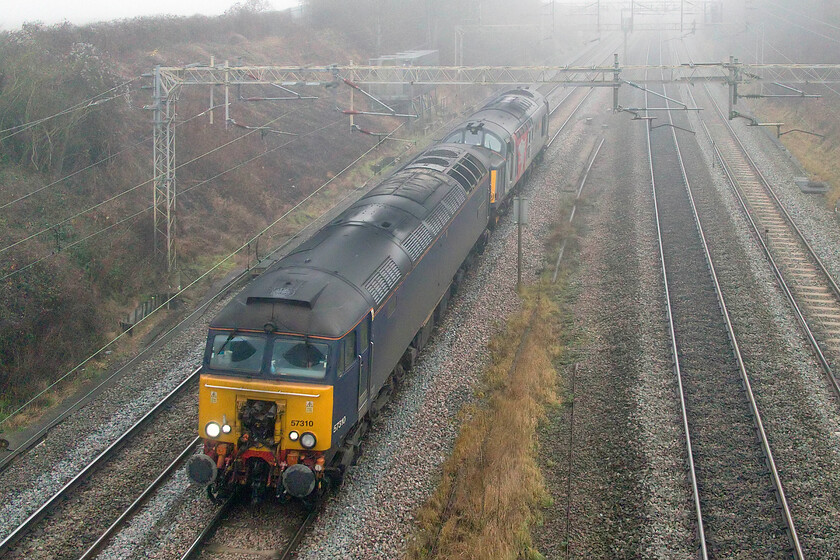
[308, 440]
[226, 428]
[294, 436]
[212, 429]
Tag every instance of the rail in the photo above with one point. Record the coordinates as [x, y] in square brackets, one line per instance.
[9, 541]
[759, 425]
[780, 277]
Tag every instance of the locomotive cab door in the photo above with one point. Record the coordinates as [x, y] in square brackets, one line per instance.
[509, 162]
[364, 356]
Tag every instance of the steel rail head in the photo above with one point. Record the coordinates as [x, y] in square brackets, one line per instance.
[777, 482]
[798, 313]
[195, 547]
[9, 541]
[94, 548]
[692, 471]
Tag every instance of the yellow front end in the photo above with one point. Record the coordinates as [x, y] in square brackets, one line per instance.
[301, 408]
[262, 434]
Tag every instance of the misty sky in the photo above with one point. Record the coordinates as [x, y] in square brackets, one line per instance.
[14, 12]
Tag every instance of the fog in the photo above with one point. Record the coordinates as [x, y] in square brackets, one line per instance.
[14, 13]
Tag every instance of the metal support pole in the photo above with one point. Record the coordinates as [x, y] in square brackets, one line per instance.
[520, 215]
[735, 77]
[164, 190]
[731, 95]
[616, 78]
[227, 94]
[518, 255]
[212, 90]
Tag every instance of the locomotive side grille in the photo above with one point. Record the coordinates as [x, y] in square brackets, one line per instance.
[417, 242]
[437, 161]
[437, 219]
[464, 177]
[524, 104]
[425, 233]
[454, 200]
[383, 280]
[475, 165]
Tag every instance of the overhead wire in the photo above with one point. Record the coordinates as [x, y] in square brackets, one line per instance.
[90, 102]
[787, 58]
[220, 263]
[101, 161]
[804, 16]
[199, 278]
[128, 191]
[791, 22]
[150, 207]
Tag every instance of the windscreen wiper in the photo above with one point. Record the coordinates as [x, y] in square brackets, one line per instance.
[229, 338]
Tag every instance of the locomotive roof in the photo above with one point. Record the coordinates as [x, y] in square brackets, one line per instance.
[349, 266]
[509, 109]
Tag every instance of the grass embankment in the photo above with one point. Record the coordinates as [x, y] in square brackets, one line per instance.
[492, 488]
[819, 156]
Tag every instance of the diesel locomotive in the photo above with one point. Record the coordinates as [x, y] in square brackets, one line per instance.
[300, 362]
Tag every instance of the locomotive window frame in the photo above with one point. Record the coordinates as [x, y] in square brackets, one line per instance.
[347, 353]
[290, 349]
[469, 134]
[493, 138]
[457, 173]
[475, 166]
[225, 347]
[455, 138]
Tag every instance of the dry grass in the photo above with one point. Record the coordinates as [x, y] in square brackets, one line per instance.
[492, 488]
[820, 157]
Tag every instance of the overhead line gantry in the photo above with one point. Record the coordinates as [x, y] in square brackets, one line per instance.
[169, 81]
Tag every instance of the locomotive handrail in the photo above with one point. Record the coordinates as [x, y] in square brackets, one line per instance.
[261, 391]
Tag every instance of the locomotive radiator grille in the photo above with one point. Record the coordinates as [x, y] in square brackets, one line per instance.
[437, 219]
[417, 242]
[383, 280]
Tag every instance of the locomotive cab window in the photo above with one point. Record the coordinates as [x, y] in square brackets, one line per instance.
[237, 352]
[492, 142]
[348, 351]
[299, 358]
[473, 137]
[455, 138]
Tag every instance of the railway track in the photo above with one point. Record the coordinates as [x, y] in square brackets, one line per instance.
[737, 491]
[94, 466]
[97, 545]
[804, 279]
[278, 537]
[206, 542]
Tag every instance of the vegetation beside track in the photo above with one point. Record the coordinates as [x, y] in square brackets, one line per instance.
[491, 488]
[819, 156]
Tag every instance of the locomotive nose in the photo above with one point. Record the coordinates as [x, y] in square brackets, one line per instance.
[299, 480]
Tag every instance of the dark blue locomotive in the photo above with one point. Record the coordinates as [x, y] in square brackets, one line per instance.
[299, 362]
